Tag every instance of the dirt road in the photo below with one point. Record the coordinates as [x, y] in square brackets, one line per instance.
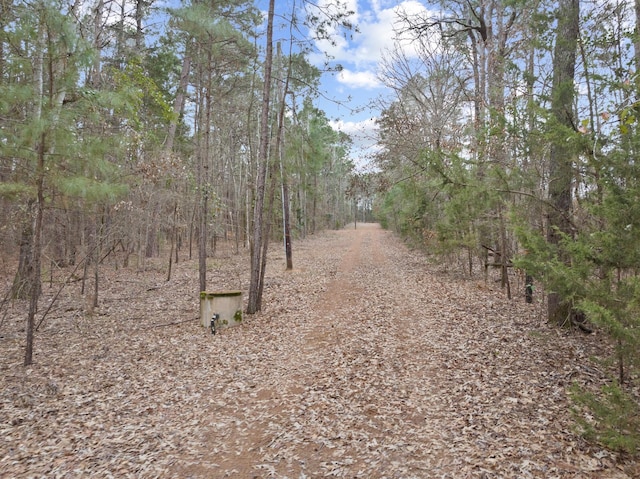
[373, 366]
[366, 362]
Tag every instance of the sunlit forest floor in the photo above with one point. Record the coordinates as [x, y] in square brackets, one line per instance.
[367, 361]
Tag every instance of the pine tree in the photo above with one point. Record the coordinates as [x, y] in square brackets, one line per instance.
[61, 159]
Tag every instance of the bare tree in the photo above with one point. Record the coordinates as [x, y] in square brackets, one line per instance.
[257, 247]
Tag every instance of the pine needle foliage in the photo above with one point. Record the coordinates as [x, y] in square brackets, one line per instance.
[600, 277]
[611, 417]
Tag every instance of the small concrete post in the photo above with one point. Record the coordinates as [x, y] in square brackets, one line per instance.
[226, 304]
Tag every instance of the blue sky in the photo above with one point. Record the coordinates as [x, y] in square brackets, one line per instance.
[349, 95]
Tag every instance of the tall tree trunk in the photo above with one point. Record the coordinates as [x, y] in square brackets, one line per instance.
[94, 77]
[34, 283]
[314, 203]
[202, 244]
[178, 103]
[267, 232]
[561, 156]
[255, 286]
[98, 231]
[139, 38]
[23, 286]
[174, 236]
[286, 220]
[286, 224]
[203, 174]
[497, 37]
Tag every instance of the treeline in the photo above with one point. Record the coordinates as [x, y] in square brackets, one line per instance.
[512, 139]
[131, 129]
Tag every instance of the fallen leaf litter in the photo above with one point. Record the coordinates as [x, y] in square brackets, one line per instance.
[366, 362]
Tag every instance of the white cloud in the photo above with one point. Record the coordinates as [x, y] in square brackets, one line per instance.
[379, 30]
[363, 79]
[363, 134]
[368, 126]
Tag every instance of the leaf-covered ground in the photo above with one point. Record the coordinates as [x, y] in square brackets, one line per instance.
[366, 362]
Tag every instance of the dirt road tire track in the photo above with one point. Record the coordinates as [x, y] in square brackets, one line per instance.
[366, 362]
[392, 371]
